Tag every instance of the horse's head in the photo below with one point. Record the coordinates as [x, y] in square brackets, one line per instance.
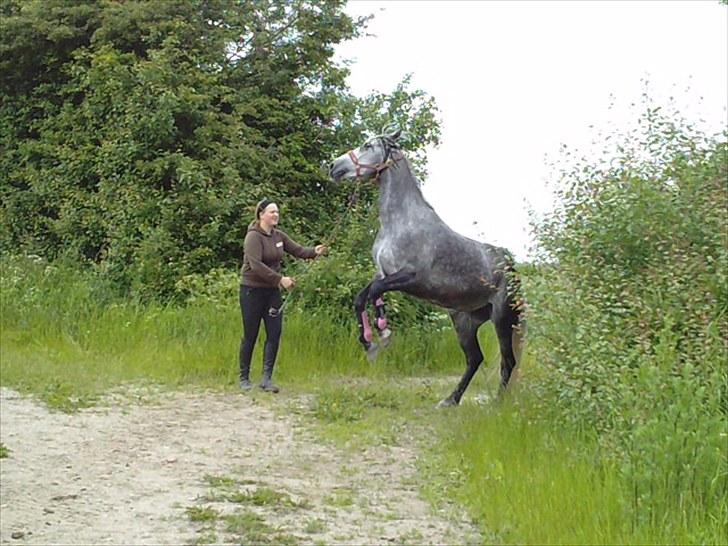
[368, 160]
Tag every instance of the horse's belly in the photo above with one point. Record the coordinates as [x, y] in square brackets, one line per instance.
[452, 297]
[461, 294]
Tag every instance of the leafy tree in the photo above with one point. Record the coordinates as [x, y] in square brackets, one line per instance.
[137, 134]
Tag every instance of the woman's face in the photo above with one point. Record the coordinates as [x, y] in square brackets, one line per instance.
[269, 216]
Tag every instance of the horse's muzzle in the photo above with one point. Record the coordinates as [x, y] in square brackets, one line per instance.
[336, 173]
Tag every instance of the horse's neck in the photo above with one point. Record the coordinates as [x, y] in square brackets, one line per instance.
[400, 195]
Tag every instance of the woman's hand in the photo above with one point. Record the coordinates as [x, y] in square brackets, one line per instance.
[321, 250]
[287, 283]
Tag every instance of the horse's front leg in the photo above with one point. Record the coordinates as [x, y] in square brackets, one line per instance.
[380, 320]
[397, 281]
[365, 331]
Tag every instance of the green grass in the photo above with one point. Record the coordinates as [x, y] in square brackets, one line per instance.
[369, 412]
[523, 477]
[341, 498]
[265, 496]
[250, 528]
[202, 514]
[243, 525]
[526, 480]
[524, 483]
[168, 346]
[65, 343]
[315, 526]
[221, 482]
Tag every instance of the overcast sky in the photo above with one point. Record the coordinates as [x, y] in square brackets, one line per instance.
[514, 80]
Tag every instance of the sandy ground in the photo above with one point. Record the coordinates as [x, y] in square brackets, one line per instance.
[132, 473]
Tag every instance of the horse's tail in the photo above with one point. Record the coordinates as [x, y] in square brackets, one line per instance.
[518, 336]
[518, 304]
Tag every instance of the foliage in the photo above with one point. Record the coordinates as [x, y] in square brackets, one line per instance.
[138, 135]
[628, 311]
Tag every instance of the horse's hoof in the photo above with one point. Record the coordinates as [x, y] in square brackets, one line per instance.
[372, 352]
[385, 338]
[447, 403]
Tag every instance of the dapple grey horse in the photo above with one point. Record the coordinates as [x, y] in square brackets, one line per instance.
[418, 254]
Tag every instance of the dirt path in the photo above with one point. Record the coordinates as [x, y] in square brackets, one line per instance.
[201, 468]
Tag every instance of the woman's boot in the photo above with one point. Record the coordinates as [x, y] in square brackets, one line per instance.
[266, 384]
[245, 383]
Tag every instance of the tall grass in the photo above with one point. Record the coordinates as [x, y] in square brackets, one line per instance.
[525, 483]
[65, 334]
[527, 479]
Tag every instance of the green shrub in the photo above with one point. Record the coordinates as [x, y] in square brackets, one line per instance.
[628, 314]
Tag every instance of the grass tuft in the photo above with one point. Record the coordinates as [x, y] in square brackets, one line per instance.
[250, 528]
[264, 496]
[202, 514]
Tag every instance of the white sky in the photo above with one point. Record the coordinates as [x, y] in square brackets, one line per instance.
[514, 80]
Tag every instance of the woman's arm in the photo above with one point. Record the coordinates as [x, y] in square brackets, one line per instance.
[294, 249]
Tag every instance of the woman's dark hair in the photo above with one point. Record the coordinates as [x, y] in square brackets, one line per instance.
[260, 207]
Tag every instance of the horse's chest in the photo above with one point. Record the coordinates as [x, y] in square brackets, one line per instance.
[381, 253]
[391, 254]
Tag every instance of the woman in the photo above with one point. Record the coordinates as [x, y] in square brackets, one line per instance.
[260, 284]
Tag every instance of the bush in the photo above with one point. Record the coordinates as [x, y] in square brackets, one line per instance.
[628, 311]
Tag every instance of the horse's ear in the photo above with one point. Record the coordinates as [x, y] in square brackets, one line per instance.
[392, 130]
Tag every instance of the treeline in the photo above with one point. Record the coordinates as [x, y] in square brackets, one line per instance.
[138, 135]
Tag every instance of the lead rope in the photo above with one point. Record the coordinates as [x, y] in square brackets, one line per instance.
[353, 199]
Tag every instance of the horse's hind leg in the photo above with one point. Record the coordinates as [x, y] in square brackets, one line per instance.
[504, 326]
[466, 326]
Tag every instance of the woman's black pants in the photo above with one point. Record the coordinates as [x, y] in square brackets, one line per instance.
[258, 304]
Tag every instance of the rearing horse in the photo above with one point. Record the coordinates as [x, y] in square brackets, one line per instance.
[417, 253]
